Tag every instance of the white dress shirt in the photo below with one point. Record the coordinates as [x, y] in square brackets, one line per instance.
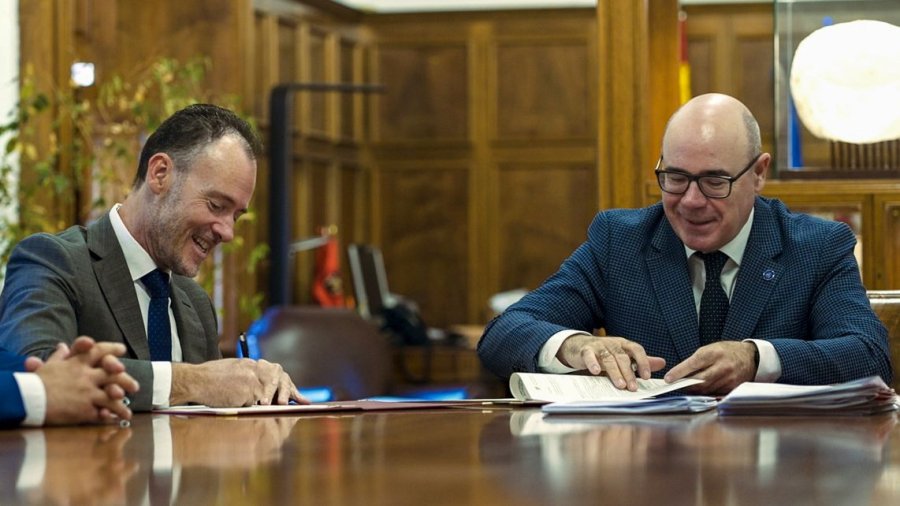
[139, 264]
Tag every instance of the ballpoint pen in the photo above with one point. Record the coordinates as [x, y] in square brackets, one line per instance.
[242, 341]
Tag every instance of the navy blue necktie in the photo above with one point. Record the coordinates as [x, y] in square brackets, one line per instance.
[713, 302]
[159, 333]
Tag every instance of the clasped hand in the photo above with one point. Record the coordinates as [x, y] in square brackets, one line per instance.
[722, 366]
[84, 383]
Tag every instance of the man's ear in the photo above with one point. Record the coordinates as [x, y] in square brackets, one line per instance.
[761, 170]
[160, 173]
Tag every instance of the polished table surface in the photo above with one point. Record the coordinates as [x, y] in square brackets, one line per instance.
[457, 456]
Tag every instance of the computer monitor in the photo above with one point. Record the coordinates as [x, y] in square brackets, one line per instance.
[376, 303]
[369, 280]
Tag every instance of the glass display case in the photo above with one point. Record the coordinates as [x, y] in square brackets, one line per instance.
[806, 142]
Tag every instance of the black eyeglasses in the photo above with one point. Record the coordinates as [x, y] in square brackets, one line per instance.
[677, 182]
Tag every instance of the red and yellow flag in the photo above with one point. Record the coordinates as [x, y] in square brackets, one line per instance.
[327, 288]
[684, 66]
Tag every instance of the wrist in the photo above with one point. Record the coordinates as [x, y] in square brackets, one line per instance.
[755, 358]
[184, 384]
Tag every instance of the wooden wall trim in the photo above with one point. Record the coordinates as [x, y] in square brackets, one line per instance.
[633, 107]
[622, 34]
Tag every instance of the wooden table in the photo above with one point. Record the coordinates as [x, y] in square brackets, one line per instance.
[457, 456]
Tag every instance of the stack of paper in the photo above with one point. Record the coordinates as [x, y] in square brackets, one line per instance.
[580, 394]
[679, 404]
[866, 396]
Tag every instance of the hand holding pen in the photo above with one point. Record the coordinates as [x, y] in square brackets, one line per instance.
[243, 346]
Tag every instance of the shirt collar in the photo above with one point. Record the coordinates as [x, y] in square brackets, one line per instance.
[735, 248]
[138, 260]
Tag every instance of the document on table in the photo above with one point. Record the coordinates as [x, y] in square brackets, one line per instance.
[865, 396]
[574, 387]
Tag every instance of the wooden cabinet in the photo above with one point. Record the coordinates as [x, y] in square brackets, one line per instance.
[870, 207]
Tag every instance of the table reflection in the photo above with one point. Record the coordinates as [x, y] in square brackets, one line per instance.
[147, 463]
[457, 456]
[86, 465]
[693, 459]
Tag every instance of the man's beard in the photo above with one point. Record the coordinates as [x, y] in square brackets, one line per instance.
[168, 232]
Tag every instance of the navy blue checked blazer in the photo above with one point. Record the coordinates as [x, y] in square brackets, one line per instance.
[798, 287]
[12, 409]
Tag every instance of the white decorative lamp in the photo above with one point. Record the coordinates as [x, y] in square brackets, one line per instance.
[845, 82]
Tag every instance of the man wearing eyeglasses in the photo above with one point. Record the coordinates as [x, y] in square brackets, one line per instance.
[714, 282]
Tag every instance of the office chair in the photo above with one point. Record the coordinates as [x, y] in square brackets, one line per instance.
[326, 347]
[886, 304]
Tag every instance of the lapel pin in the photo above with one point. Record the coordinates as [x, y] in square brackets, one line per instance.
[768, 274]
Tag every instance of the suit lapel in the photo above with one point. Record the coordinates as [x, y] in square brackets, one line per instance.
[190, 331]
[668, 268]
[757, 277]
[117, 286]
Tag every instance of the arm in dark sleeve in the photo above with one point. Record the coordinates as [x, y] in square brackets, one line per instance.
[12, 409]
[570, 299]
[847, 340]
[41, 305]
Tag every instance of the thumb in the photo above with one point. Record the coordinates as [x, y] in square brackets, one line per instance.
[33, 364]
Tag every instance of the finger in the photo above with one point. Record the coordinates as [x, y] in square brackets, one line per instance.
[285, 389]
[114, 406]
[611, 366]
[97, 353]
[270, 379]
[624, 364]
[111, 364]
[114, 391]
[640, 359]
[115, 349]
[82, 344]
[686, 368]
[60, 353]
[656, 363]
[119, 410]
[590, 361]
[124, 381]
[298, 397]
[33, 364]
[106, 416]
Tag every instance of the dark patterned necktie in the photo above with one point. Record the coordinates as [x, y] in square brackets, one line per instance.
[713, 302]
[159, 333]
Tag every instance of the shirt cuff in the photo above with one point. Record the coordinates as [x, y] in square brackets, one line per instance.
[769, 369]
[162, 383]
[34, 398]
[547, 361]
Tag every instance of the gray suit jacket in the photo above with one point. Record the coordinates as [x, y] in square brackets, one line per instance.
[74, 283]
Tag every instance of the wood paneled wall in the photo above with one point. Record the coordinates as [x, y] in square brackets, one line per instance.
[477, 171]
[124, 37]
[484, 152]
[731, 50]
[294, 43]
